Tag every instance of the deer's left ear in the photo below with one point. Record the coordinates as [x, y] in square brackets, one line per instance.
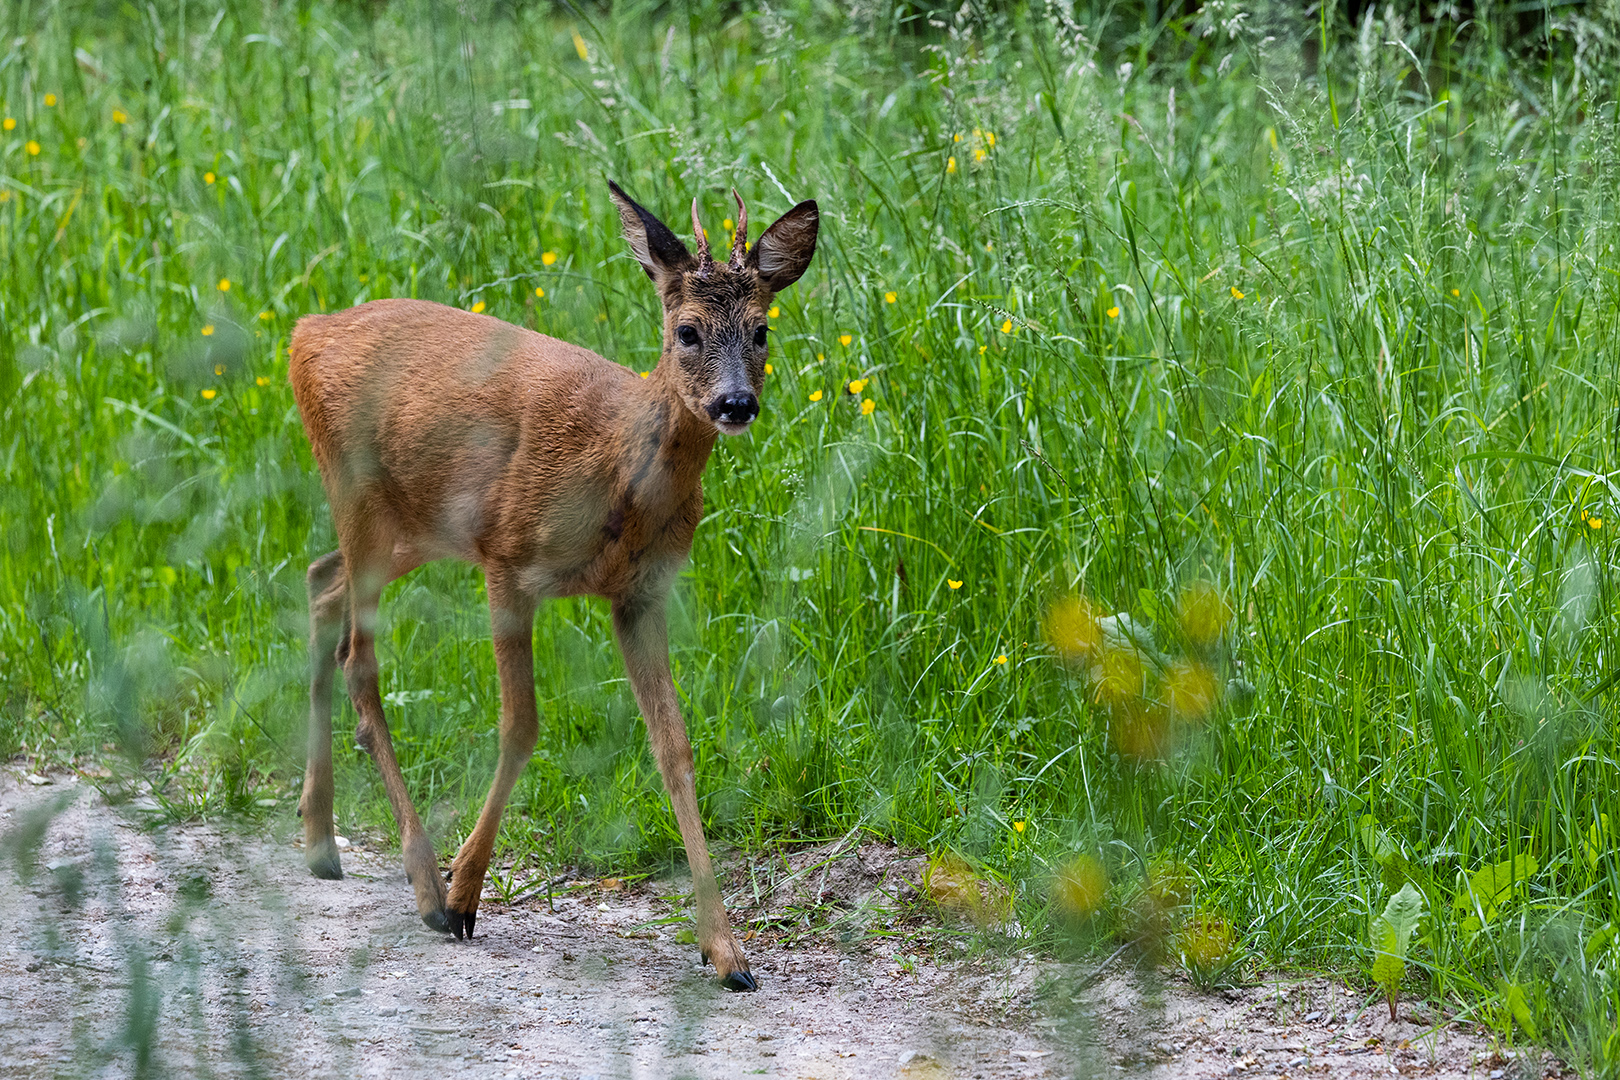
[783, 252]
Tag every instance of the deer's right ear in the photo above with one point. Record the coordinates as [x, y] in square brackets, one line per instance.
[657, 249]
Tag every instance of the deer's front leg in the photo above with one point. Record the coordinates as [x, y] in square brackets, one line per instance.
[644, 641]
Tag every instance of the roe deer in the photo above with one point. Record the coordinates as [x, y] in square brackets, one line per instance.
[440, 434]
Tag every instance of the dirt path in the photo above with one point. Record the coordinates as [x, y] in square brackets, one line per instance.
[196, 950]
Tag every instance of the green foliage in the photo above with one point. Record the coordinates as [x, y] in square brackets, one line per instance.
[1391, 933]
[1172, 303]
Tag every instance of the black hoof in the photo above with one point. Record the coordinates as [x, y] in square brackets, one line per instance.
[436, 921]
[462, 921]
[326, 865]
[740, 981]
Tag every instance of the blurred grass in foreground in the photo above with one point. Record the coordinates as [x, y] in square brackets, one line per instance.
[1140, 314]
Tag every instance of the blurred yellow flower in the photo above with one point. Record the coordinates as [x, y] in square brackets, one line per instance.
[477, 307]
[208, 178]
[1456, 292]
[857, 385]
[1071, 628]
[821, 357]
[1006, 326]
[208, 395]
[1190, 689]
[219, 369]
[579, 46]
[208, 331]
[953, 584]
[224, 284]
[989, 138]
[1080, 886]
[867, 406]
[262, 380]
[774, 312]
[644, 374]
[120, 116]
[1202, 612]
[50, 101]
[9, 123]
[264, 316]
[844, 340]
[1018, 826]
[1002, 659]
[769, 370]
[980, 153]
[983, 349]
[1113, 313]
[1595, 522]
[539, 293]
[547, 258]
[950, 165]
[32, 147]
[890, 297]
[957, 137]
[728, 225]
[815, 395]
[1237, 293]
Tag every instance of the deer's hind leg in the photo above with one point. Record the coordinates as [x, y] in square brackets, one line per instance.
[371, 562]
[511, 613]
[327, 616]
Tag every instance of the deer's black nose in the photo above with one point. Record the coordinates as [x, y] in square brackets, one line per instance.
[736, 409]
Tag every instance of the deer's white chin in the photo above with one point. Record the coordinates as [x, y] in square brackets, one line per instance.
[732, 429]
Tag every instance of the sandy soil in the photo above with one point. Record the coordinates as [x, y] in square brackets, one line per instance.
[198, 950]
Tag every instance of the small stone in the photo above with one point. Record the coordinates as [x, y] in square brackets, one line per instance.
[351, 992]
[1299, 1062]
[388, 1010]
[341, 841]
[1313, 1017]
[36, 779]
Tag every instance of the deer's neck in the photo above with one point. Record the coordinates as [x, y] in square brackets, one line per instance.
[674, 444]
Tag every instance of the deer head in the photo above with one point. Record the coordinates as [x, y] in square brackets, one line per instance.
[716, 338]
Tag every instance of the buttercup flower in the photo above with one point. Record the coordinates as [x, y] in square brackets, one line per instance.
[950, 165]
[208, 331]
[857, 385]
[953, 584]
[50, 101]
[815, 395]
[1018, 826]
[1002, 659]
[208, 395]
[1113, 313]
[889, 297]
[262, 380]
[32, 147]
[539, 292]
[867, 406]
[1237, 293]
[547, 258]
[9, 123]
[774, 312]
[208, 178]
[769, 370]
[120, 116]
[1006, 326]
[844, 340]
[224, 284]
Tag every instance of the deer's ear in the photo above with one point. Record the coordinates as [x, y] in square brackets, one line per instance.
[783, 252]
[657, 249]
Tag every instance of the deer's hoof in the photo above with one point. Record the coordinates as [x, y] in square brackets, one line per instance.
[324, 863]
[436, 921]
[462, 921]
[739, 981]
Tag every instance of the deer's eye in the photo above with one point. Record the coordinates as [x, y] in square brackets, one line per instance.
[687, 336]
[759, 338]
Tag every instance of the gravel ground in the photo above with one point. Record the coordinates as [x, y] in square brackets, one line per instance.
[203, 950]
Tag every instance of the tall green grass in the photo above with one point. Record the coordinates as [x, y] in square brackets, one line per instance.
[1324, 316]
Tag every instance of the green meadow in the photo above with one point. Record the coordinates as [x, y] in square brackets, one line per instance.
[1185, 494]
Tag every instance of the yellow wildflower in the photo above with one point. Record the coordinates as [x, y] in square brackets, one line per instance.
[579, 46]
[262, 380]
[950, 165]
[224, 284]
[120, 116]
[1456, 292]
[644, 374]
[1237, 293]
[1006, 326]
[844, 340]
[10, 123]
[547, 258]
[32, 147]
[857, 385]
[728, 225]
[774, 312]
[219, 369]
[815, 395]
[769, 370]
[990, 138]
[1002, 659]
[1018, 826]
[208, 331]
[980, 153]
[954, 584]
[208, 395]
[1080, 886]
[1113, 312]
[1594, 522]
[821, 357]
[957, 137]
[867, 406]
[208, 178]
[983, 349]
[539, 292]
[889, 297]
[478, 307]
[264, 316]
[50, 101]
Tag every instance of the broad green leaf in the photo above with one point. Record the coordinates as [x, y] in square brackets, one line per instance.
[1391, 932]
[1519, 1006]
[1490, 886]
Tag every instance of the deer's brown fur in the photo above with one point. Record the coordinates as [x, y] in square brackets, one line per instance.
[444, 434]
